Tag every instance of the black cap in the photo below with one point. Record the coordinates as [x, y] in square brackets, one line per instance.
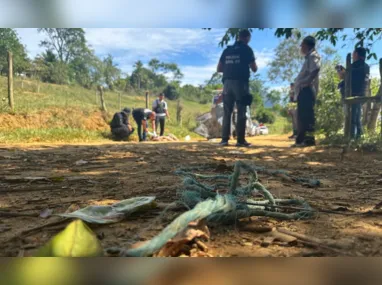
[309, 41]
[126, 110]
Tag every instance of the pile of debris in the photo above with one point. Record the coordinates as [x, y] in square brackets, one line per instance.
[168, 138]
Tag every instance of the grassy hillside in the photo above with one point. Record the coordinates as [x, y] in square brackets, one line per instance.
[58, 113]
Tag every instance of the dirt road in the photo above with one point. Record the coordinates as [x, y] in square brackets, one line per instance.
[351, 183]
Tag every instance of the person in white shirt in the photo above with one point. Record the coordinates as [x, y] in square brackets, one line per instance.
[306, 90]
[161, 110]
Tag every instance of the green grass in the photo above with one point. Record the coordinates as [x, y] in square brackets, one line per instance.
[80, 102]
[52, 135]
[30, 99]
[280, 126]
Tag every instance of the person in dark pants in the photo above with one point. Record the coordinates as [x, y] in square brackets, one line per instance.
[292, 111]
[306, 88]
[141, 116]
[119, 125]
[360, 77]
[235, 63]
[161, 110]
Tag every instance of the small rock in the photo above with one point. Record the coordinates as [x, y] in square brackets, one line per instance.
[46, 213]
[81, 162]
[248, 244]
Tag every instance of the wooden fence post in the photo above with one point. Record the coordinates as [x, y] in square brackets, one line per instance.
[179, 108]
[101, 93]
[147, 99]
[10, 81]
[348, 93]
[367, 107]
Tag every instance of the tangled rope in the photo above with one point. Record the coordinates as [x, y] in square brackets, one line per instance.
[206, 202]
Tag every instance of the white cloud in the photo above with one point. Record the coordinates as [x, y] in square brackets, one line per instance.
[149, 42]
[374, 71]
[129, 45]
[263, 58]
[196, 75]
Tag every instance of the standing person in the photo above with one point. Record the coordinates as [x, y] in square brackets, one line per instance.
[235, 63]
[359, 81]
[141, 116]
[293, 111]
[120, 126]
[161, 110]
[341, 86]
[306, 89]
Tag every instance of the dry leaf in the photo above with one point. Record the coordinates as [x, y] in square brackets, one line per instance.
[174, 247]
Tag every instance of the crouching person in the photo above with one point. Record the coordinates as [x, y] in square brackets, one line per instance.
[120, 126]
[141, 116]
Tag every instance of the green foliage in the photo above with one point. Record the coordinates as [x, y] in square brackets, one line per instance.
[265, 116]
[364, 37]
[273, 97]
[287, 61]
[329, 110]
[9, 41]
[67, 43]
[171, 92]
[58, 73]
[110, 71]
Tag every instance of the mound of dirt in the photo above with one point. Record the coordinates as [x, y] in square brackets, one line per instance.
[55, 118]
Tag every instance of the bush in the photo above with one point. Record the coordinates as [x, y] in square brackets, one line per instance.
[171, 92]
[329, 110]
[265, 116]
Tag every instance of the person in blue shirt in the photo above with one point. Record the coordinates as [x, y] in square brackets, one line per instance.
[235, 63]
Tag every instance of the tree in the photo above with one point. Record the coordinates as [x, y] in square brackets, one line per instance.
[137, 73]
[110, 71]
[216, 80]
[329, 109]
[273, 97]
[9, 41]
[265, 116]
[87, 70]
[287, 61]
[171, 68]
[67, 43]
[171, 92]
[364, 37]
[154, 64]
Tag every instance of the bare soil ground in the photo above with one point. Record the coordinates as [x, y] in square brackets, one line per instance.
[351, 183]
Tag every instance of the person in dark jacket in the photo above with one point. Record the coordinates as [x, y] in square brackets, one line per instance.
[141, 116]
[120, 127]
[292, 110]
[235, 63]
[359, 80]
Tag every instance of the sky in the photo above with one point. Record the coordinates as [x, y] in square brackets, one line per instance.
[196, 51]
